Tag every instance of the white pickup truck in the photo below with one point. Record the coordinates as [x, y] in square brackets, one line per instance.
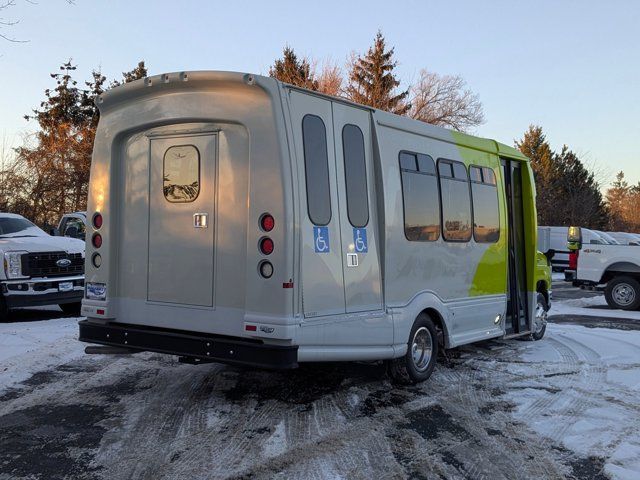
[616, 268]
[38, 269]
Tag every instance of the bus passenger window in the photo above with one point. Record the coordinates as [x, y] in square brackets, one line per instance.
[316, 168]
[420, 197]
[486, 218]
[355, 173]
[456, 204]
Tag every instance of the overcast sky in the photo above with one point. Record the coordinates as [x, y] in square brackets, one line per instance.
[572, 67]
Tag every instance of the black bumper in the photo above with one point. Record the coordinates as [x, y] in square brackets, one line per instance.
[190, 344]
[36, 300]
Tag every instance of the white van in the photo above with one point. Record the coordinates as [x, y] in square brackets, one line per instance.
[234, 218]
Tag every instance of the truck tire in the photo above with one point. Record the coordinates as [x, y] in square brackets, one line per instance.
[540, 320]
[71, 308]
[422, 353]
[623, 293]
[4, 311]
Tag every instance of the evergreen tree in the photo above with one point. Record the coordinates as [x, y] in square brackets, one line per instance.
[140, 71]
[290, 69]
[534, 145]
[618, 196]
[372, 80]
[580, 199]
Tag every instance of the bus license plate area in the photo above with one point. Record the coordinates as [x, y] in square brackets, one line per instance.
[65, 286]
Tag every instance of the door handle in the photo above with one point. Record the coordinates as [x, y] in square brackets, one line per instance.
[200, 220]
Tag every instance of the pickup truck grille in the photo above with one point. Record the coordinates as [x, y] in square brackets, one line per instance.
[44, 264]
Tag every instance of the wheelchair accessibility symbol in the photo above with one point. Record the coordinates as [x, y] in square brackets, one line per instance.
[360, 240]
[321, 239]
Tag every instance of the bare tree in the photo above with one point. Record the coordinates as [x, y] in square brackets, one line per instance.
[444, 100]
[4, 22]
[330, 79]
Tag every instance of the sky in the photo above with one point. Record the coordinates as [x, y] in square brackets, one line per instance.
[572, 67]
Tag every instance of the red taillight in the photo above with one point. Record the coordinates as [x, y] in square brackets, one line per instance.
[266, 246]
[573, 260]
[250, 328]
[96, 240]
[267, 222]
[97, 221]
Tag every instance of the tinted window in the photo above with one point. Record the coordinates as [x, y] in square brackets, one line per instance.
[486, 217]
[456, 204]
[420, 198]
[14, 225]
[408, 161]
[445, 169]
[355, 172]
[316, 167]
[181, 175]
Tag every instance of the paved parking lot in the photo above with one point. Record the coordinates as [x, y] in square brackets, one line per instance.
[500, 409]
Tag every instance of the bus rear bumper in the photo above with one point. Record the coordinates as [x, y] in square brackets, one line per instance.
[204, 347]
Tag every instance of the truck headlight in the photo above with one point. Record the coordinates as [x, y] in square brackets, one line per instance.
[13, 264]
[95, 291]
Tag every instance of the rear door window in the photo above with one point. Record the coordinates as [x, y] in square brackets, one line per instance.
[355, 171]
[316, 167]
[181, 174]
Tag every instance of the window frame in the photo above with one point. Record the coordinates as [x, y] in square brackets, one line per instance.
[164, 167]
[304, 159]
[468, 182]
[416, 171]
[366, 172]
[494, 185]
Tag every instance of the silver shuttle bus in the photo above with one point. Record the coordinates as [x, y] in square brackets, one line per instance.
[233, 218]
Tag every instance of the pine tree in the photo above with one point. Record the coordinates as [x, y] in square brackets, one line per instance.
[580, 200]
[534, 145]
[372, 81]
[290, 69]
[618, 196]
[140, 71]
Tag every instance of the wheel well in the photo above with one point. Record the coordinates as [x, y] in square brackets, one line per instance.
[438, 322]
[621, 268]
[541, 287]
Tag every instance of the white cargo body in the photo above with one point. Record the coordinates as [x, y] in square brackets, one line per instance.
[247, 221]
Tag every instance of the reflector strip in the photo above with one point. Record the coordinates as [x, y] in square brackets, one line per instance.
[250, 328]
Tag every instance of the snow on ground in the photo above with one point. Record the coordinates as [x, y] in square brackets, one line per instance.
[563, 407]
[29, 347]
[589, 402]
[592, 306]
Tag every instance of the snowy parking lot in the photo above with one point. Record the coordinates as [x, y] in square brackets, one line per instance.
[564, 407]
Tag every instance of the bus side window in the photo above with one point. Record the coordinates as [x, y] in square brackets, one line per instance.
[420, 200]
[456, 201]
[486, 217]
[355, 173]
[316, 168]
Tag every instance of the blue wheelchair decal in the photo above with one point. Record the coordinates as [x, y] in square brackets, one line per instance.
[360, 240]
[321, 239]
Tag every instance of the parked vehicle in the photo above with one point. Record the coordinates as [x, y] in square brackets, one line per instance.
[625, 238]
[607, 237]
[256, 223]
[614, 268]
[38, 269]
[72, 225]
[558, 243]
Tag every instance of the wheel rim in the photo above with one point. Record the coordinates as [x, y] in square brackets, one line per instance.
[421, 349]
[623, 294]
[541, 317]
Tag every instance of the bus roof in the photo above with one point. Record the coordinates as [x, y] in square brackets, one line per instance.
[172, 81]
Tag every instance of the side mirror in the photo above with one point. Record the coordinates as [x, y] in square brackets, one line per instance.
[54, 232]
[574, 238]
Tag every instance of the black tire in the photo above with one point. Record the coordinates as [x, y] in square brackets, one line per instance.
[71, 308]
[623, 293]
[540, 324]
[4, 311]
[404, 370]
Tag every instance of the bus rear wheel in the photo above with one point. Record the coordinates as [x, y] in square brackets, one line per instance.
[422, 353]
